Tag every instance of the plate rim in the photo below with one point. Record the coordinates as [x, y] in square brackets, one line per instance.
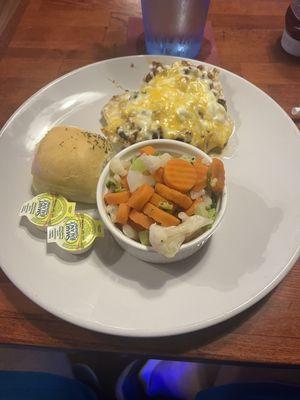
[140, 332]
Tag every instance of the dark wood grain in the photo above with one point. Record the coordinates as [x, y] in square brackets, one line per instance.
[7, 10]
[41, 40]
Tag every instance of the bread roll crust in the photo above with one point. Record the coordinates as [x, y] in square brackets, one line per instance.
[69, 161]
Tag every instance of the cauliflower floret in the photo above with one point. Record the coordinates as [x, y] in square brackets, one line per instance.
[167, 241]
[164, 158]
[152, 163]
[112, 212]
[126, 164]
[117, 167]
[183, 216]
[196, 194]
[207, 201]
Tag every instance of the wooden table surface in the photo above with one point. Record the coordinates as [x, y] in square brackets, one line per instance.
[43, 39]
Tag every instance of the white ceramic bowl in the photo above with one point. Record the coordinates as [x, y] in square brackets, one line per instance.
[138, 250]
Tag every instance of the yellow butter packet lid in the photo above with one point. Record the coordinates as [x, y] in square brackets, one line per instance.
[47, 209]
[76, 233]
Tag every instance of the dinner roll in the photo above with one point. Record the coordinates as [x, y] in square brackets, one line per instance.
[69, 161]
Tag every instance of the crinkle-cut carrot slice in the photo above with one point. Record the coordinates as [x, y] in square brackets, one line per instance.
[158, 175]
[216, 175]
[140, 219]
[140, 197]
[157, 200]
[149, 150]
[122, 214]
[191, 211]
[160, 216]
[179, 174]
[117, 198]
[201, 170]
[182, 200]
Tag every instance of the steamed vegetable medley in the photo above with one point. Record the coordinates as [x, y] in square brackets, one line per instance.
[163, 200]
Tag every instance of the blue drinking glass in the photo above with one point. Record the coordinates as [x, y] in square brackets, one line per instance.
[174, 27]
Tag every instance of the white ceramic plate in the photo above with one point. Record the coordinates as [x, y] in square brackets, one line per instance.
[107, 290]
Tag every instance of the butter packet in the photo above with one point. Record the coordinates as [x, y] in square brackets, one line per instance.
[76, 233]
[47, 209]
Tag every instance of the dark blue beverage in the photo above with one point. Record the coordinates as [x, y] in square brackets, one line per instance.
[174, 27]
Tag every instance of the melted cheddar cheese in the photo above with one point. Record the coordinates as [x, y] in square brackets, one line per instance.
[180, 102]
